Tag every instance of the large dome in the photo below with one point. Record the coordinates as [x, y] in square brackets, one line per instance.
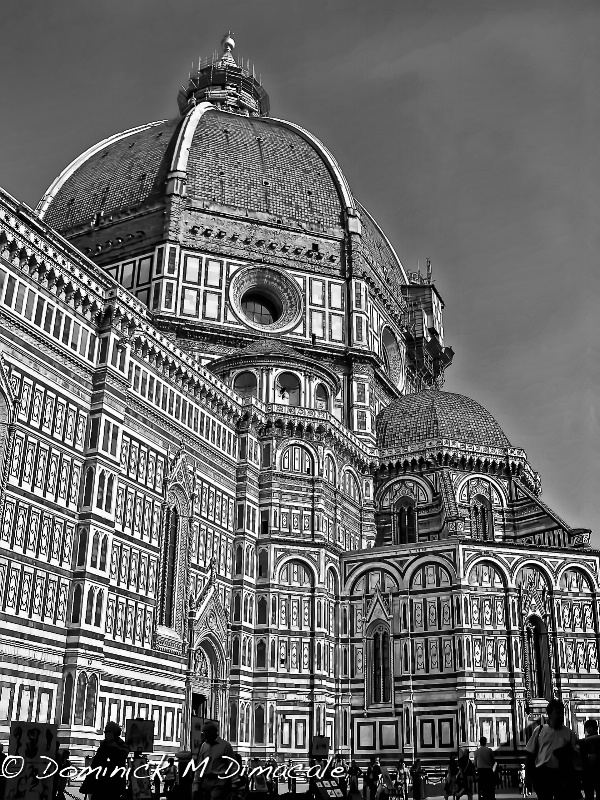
[255, 166]
[434, 414]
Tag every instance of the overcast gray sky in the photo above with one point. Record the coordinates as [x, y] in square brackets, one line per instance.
[469, 129]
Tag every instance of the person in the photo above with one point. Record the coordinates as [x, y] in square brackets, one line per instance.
[418, 780]
[210, 782]
[240, 784]
[451, 779]
[466, 775]
[110, 756]
[156, 781]
[343, 779]
[170, 776]
[551, 751]
[354, 774]
[62, 780]
[589, 747]
[371, 779]
[382, 792]
[271, 780]
[484, 764]
[523, 782]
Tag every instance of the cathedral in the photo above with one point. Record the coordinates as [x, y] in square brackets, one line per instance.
[231, 484]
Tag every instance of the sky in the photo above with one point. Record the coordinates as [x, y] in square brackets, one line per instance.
[468, 128]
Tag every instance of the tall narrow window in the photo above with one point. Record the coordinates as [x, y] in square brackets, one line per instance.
[80, 699]
[381, 672]
[259, 725]
[95, 544]
[89, 485]
[103, 552]
[170, 557]
[90, 607]
[482, 520]
[233, 713]
[538, 660]
[406, 521]
[82, 547]
[76, 609]
[90, 701]
[67, 700]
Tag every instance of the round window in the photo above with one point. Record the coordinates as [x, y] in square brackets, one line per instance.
[265, 298]
[261, 308]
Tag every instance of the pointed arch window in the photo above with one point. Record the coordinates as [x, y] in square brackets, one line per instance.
[261, 654]
[538, 659]
[239, 559]
[171, 528]
[88, 488]
[100, 494]
[90, 607]
[482, 518]
[80, 699]
[259, 725]
[90, 700]
[233, 718]
[67, 700]
[406, 521]
[380, 662]
[82, 547]
[103, 552]
[98, 614]
[76, 608]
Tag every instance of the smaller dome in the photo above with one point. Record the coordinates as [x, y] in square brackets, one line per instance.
[436, 414]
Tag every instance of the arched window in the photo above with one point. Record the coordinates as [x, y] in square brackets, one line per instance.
[261, 653]
[89, 607]
[261, 611]
[318, 656]
[263, 564]
[239, 559]
[233, 719]
[249, 651]
[109, 493]
[482, 518]
[103, 552]
[381, 666]
[89, 485]
[247, 723]
[94, 556]
[82, 547]
[288, 389]
[235, 656]
[271, 724]
[98, 614]
[392, 358]
[170, 564]
[259, 725]
[67, 700]
[350, 486]
[329, 470]
[80, 699]
[273, 654]
[90, 700]
[297, 459]
[76, 608]
[237, 608]
[406, 521]
[321, 397]
[245, 384]
[100, 494]
[538, 659]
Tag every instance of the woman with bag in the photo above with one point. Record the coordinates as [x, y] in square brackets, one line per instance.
[553, 758]
[110, 756]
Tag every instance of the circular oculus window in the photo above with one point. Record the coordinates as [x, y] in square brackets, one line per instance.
[265, 298]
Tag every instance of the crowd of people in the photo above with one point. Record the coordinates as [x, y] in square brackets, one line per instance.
[558, 766]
